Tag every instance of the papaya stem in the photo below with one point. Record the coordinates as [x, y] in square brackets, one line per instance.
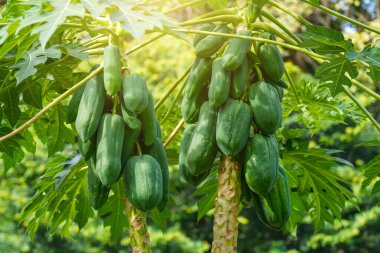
[138, 229]
[184, 5]
[52, 104]
[175, 131]
[280, 25]
[226, 35]
[225, 18]
[291, 13]
[293, 86]
[174, 102]
[138, 149]
[115, 103]
[170, 90]
[227, 204]
[273, 30]
[134, 49]
[345, 18]
[258, 71]
[365, 111]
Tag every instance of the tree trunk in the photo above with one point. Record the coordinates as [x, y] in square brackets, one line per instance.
[227, 206]
[138, 229]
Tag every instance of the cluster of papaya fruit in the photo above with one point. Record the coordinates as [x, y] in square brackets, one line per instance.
[234, 109]
[119, 135]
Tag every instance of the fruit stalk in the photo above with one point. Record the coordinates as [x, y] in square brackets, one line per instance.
[227, 206]
[138, 229]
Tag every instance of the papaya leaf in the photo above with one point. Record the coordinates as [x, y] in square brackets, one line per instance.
[160, 218]
[324, 40]
[56, 201]
[113, 212]
[371, 171]
[334, 74]
[323, 193]
[49, 18]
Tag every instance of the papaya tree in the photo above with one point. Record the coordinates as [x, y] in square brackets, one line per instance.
[245, 122]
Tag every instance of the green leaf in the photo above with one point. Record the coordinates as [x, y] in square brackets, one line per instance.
[32, 95]
[27, 65]
[374, 73]
[94, 7]
[84, 208]
[323, 192]
[28, 142]
[333, 73]
[136, 21]
[324, 40]
[160, 218]
[11, 102]
[58, 132]
[48, 21]
[370, 55]
[8, 30]
[372, 171]
[373, 143]
[113, 211]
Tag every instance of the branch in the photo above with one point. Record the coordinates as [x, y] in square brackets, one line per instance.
[227, 35]
[52, 104]
[345, 18]
[367, 113]
[175, 131]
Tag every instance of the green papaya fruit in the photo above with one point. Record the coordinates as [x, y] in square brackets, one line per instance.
[157, 151]
[246, 194]
[87, 149]
[282, 84]
[143, 181]
[73, 106]
[130, 137]
[198, 77]
[158, 128]
[252, 13]
[239, 80]
[112, 70]
[129, 117]
[90, 108]
[266, 107]
[236, 51]
[220, 84]
[182, 161]
[232, 127]
[274, 208]
[203, 148]
[261, 163]
[190, 108]
[97, 193]
[211, 44]
[205, 27]
[135, 93]
[110, 138]
[271, 62]
[280, 92]
[148, 123]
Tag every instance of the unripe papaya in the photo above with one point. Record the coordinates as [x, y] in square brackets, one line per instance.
[130, 137]
[135, 93]
[271, 62]
[108, 149]
[87, 149]
[190, 108]
[143, 181]
[97, 193]
[211, 44]
[239, 80]
[157, 151]
[182, 161]
[266, 107]
[273, 209]
[220, 84]
[261, 163]
[148, 123]
[203, 148]
[90, 108]
[129, 117]
[232, 127]
[112, 70]
[198, 77]
[73, 106]
[205, 27]
[236, 52]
